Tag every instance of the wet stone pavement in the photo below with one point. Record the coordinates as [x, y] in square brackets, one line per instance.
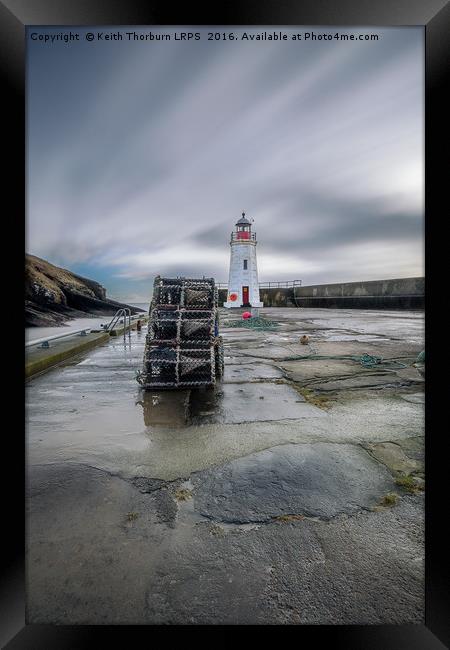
[291, 493]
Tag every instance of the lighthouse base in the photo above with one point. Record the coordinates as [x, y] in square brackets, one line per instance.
[236, 305]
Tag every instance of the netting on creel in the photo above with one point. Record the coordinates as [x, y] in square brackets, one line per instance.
[181, 324]
[254, 322]
[178, 365]
[185, 292]
[182, 347]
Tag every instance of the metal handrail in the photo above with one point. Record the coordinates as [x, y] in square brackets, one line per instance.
[44, 341]
[54, 337]
[115, 319]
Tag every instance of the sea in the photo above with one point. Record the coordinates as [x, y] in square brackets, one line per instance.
[141, 305]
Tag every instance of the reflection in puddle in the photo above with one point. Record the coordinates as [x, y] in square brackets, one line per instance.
[180, 408]
[165, 408]
[232, 403]
[205, 405]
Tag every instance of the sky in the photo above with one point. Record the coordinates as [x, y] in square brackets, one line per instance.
[141, 155]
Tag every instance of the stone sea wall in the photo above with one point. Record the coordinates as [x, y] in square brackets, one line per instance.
[399, 293]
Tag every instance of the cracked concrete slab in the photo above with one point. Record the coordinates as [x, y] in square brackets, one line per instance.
[100, 551]
[319, 480]
[91, 538]
[304, 371]
[368, 380]
[393, 456]
[360, 561]
[414, 447]
[414, 398]
[249, 372]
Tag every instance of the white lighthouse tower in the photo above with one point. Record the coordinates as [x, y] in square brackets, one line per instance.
[243, 287]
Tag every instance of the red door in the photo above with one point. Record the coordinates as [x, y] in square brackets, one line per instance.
[245, 295]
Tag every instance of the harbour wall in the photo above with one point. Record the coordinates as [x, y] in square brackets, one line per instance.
[399, 293]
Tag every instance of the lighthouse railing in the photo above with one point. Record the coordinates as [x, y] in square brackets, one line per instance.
[268, 285]
[280, 285]
[243, 236]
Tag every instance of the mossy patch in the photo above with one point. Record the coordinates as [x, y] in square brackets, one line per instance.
[321, 401]
[182, 494]
[394, 457]
[389, 500]
[410, 484]
[132, 516]
[216, 530]
[287, 518]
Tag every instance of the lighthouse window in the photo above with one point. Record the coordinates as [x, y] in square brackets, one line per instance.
[245, 265]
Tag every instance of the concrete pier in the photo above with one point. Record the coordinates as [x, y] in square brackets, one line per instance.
[39, 359]
[292, 493]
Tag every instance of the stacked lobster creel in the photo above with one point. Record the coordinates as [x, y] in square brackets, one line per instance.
[183, 347]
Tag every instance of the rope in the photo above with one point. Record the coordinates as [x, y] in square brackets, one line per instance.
[421, 357]
[253, 323]
[366, 360]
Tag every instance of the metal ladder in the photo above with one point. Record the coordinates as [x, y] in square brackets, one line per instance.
[295, 297]
[123, 312]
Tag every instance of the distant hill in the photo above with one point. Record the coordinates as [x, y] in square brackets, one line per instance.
[54, 295]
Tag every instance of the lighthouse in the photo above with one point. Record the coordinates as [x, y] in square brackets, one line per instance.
[243, 287]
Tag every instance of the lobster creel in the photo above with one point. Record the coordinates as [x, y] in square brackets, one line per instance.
[183, 347]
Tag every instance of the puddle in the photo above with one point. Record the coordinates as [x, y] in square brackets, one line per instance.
[252, 402]
[232, 403]
[165, 408]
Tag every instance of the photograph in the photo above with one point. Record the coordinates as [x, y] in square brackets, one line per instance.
[224, 325]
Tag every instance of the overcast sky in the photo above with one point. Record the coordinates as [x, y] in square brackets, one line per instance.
[142, 155]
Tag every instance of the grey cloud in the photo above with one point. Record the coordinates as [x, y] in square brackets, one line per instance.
[140, 158]
[316, 222]
[216, 236]
[309, 221]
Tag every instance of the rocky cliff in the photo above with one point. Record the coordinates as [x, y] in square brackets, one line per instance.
[54, 295]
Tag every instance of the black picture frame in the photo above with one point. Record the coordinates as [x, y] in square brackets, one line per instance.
[15, 16]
